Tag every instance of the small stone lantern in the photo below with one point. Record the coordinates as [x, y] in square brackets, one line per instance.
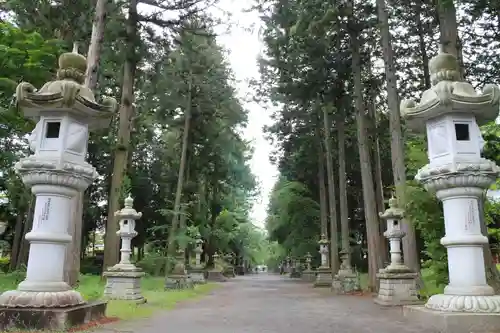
[123, 280]
[215, 274]
[64, 111]
[308, 258]
[450, 112]
[324, 276]
[393, 216]
[196, 273]
[323, 251]
[229, 269]
[398, 284]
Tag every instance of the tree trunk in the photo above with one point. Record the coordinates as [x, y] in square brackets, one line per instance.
[322, 192]
[22, 258]
[492, 273]
[344, 208]
[171, 246]
[16, 242]
[123, 140]
[332, 201]
[422, 45]
[410, 252]
[379, 185]
[371, 215]
[96, 40]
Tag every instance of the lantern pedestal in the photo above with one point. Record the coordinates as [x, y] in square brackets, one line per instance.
[323, 278]
[346, 281]
[308, 276]
[178, 278]
[229, 272]
[215, 275]
[124, 284]
[397, 288]
[197, 275]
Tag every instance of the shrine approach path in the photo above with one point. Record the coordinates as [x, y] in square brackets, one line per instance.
[267, 303]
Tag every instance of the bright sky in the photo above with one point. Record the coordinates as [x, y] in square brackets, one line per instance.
[243, 45]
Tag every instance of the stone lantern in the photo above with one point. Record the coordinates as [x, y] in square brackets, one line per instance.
[324, 276]
[65, 111]
[229, 269]
[178, 278]
[215, 274]
[123, 280]
[196, 273]
[450, 112]
[398, 284]
[308, 275]
[345, 281]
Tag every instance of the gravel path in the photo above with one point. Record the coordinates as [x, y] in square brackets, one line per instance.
[272, 304]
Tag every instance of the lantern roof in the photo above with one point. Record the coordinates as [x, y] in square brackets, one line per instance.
[128, 212]
[393, 212]
[449, 94]
[67, 94]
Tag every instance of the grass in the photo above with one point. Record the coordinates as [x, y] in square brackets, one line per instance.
[91, 287]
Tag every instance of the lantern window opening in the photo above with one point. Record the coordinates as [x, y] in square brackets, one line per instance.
[125, 222]
[462, 132]
[52, 129]
[396, 222]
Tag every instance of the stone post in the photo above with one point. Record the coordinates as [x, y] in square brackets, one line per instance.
[123, 280]
[398, 284]
[65, 111]
[450, 112]
[196, 273]
[324, 273]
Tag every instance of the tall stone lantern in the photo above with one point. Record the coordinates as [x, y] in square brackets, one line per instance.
[398, 284]
[324, 273]
[65, 111]
[450, 112]
[123, 280]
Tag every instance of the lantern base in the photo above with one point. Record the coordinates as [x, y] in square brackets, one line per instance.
[346, 281]
[397, 289]
[308, 276]
[197, 276]
[215, 275]
[124, 285]
[452, 322]
[323, 278]
[50, 319]
[178, 282]
[229, 272]
[40, 299]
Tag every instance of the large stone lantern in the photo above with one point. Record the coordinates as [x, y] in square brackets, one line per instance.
[450, 112]
[65, 112]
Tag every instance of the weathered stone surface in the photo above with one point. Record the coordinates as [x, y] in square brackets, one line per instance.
[308, 276]
[53, 319]
[345, 282]
[124, 285]
[453, 322]
[323, 278]
[197, 276]
[229, 272]
[397, 289]
[176, 282]
[215, 276]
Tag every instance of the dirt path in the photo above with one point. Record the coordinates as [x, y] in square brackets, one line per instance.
[272, 304]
